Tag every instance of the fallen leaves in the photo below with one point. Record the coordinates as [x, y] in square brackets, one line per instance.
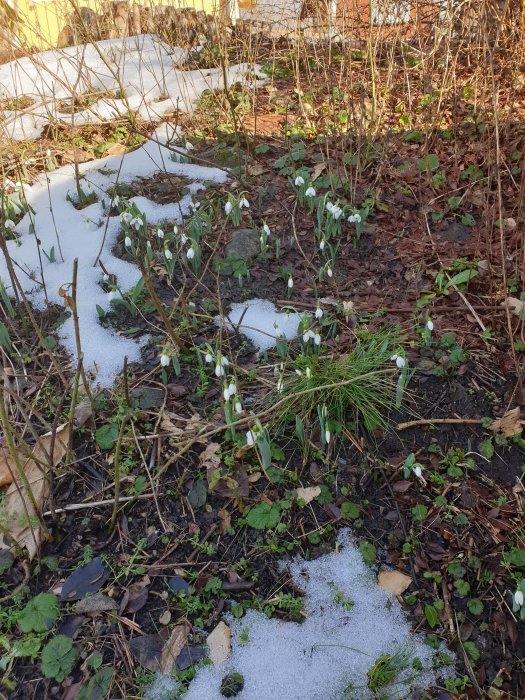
[219, 643]
[308, 494]
[509, 424]
[394, 582]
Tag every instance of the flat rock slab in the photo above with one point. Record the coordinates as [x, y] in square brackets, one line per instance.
[245, 244]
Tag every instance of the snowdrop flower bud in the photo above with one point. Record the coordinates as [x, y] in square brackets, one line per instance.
[175, 229]
[266, 229]
[310, 192]
[400, 362]
[418, 471]
[232, 389]
[112, 296]
[224, 361]
[226, 394]
[290, 283]
[127, 242]
[189, 146]
[329, 206]
[227, 208]
[336, 212]
[518, 598]
[238, 407]
[126, 216]
[298, 373]
[190, 253]
[430, 326]
[160, 233]
[244, 203]
[306, 336]
[327, 435]
[318, 312]
[208, 357]
[9, 224]
[317, 339]
[308, 373]
[219, 371]
[250, 438]
[168, 254]
[183, 238]
[299, 181]
[329, 272]
[322, 245]
[164, 359]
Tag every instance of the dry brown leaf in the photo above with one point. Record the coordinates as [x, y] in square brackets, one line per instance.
[209, 457]
[22, 522]
[219, 643]
[308, 494]
[7, 468]
[509, 424]
[226, 520]
[394, 582]
[173, 647]
[318, 169]
[515, 305]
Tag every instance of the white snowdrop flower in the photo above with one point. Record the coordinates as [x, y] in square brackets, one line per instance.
[126, 216]
[322, 245]
[310, 192]
[189, 146]
[219, 371]
[327, 436]
[175, 229]
[232, 388]
[298, 373]
[308, 373]
[226, 394]
[394, 358]
[290, 283]
[244, 203]
[266, 229]
[160, 233]
[518, 598]
[127, 242]
[280, 385]
[336, 212]
[329, 206]
[115, 201]
[168, 254]
[418, 471]
[400, 362]
[278, 331]
[105, 277]
[9, 224]
[238, 407]
[317, 339]
[112, 295]
[164, 359]
[430, 326]
[136, 223]
[306, 337]
[319, 312]
[224, 361]
[190, 253]
[354, 218]
[329, 272]
[23, 186]
[299, 181]
[183, 238]
[208, 357]
[250, 438]
[228, 208]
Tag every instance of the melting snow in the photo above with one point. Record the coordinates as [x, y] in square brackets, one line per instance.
[327, 657]
[137, 74]
[261, 323]
[83, 233]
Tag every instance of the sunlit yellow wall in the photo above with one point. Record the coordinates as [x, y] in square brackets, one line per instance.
[42, 20]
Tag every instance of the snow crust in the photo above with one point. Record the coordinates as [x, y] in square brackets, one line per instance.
[328, 656]
[137, 75]
[53, 222]
[261, 322]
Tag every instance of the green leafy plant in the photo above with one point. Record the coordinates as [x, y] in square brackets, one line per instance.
[58, 658]
[40, 613]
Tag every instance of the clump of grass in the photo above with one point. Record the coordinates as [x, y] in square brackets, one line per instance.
[387, 668]
[357, 388]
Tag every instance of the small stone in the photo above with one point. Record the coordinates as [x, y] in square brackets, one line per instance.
[245, 244]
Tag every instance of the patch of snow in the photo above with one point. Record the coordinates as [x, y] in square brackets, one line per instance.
[259, 321]
[137, 75]
[53, 222]
[327, 657]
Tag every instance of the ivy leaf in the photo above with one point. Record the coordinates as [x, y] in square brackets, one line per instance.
[263, 516]
[58, 658]
[39, 614]
[431, 615]
[106, 436]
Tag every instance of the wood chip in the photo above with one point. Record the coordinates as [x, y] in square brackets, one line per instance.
[219, 643]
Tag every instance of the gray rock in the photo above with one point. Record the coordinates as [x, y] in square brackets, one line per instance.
[245, 244]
